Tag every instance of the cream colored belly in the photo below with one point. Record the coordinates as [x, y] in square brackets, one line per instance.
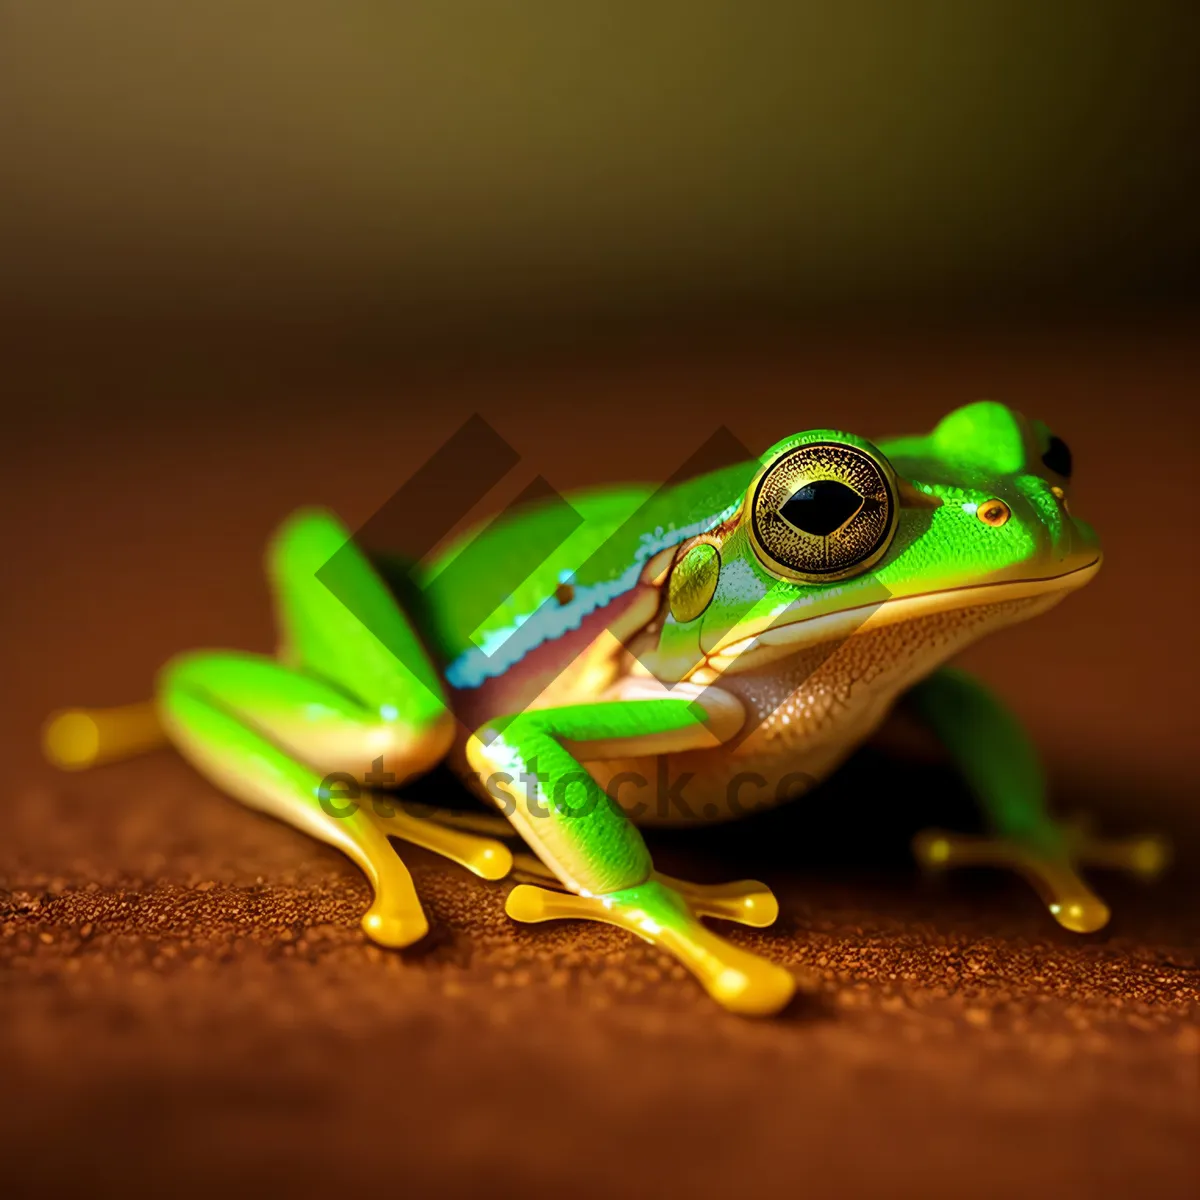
[806, 714]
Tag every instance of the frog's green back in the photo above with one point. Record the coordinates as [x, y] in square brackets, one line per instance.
[620, 528]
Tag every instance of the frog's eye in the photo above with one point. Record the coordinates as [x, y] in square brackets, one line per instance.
[823, 511]
[1058, 457]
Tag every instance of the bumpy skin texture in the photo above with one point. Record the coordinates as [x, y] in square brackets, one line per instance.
[588, 675]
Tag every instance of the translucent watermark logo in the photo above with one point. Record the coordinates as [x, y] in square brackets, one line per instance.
[663, 798]
[476, 582]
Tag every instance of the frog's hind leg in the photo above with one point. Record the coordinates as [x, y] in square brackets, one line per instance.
[298, 748]
[76, 738]
[358, 698]
[356, 702]
[212, 705]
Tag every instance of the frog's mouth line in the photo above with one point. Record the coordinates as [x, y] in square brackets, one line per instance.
[778, 640]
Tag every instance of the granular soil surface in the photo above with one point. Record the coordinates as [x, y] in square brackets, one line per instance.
[187, 1002]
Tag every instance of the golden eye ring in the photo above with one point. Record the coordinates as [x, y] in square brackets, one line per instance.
[822, 511]
[993, 513]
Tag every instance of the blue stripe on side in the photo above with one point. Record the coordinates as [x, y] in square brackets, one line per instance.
[504, 647]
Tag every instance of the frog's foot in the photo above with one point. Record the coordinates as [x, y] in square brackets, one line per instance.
[746, 901]
[77, 738]
[485, 856]
[1052, 873]
[664, 915]
[1145, 855]
[395, 918]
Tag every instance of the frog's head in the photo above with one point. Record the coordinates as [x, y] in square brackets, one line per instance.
[835, 534]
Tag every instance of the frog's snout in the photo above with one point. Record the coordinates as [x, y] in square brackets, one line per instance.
[1078, 541]
[1073, 542]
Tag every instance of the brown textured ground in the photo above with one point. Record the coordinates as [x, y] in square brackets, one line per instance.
[185, 998]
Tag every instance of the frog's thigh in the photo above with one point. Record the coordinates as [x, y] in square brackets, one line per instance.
[224, 713]
[528, 762]
[337, 620]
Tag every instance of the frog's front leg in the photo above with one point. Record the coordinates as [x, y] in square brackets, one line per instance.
[1001, 767]
[531, 764]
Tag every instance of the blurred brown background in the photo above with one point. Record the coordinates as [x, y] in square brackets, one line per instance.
[424, 170]
[255, 255]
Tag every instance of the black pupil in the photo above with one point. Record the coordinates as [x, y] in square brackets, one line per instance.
[821, 507]
[1058, 457]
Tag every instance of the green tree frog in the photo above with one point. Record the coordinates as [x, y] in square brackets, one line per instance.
[720, 643]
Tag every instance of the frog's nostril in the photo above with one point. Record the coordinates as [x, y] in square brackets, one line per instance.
[1061, 497]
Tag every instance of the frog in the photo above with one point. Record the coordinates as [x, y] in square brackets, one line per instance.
[725, 642]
